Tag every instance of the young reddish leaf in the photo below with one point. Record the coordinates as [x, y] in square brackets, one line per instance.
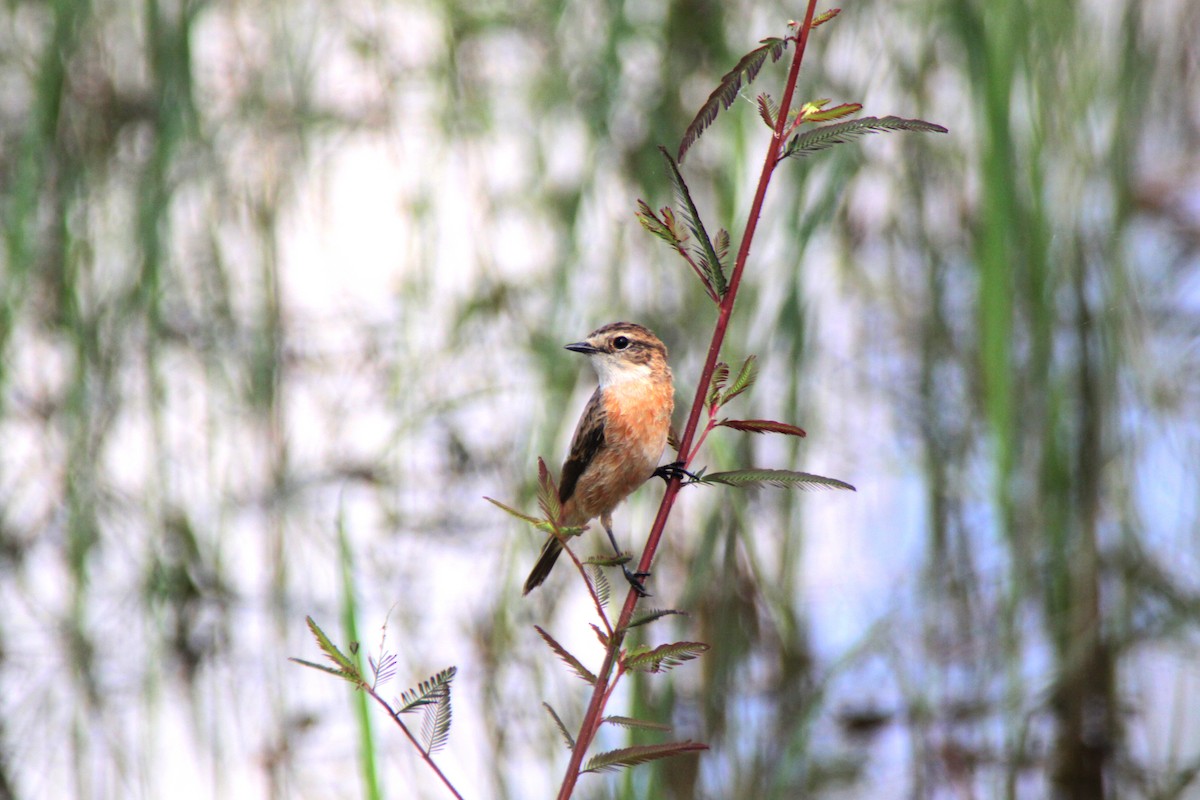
[768, 110]
[547, 493]
[726, 92]
[761, 426]
[571, 661]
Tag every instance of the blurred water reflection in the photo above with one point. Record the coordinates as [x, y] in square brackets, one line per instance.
[272, 270]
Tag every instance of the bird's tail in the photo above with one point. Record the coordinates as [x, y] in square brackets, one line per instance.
[545, 563]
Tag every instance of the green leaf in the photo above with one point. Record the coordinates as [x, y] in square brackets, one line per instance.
[720, 374]
[350, 676]
[761, 426]
[651, 616]
[347, 668]
[519, 515]
[783, 478]
[609, 560]
[600, 584]
[632, 756]
[703, 252]
[824, 17]
[663, 657]
[830, 114]
[561, 727]
[827, 136]
[639, 724]
[746, 377]
[570, 660]
[745, 71]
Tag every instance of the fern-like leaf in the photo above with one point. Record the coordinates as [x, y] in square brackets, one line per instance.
[346, 668]
[435, 725]
[384, 670]
[656, 226]
[632, 756]
[601, 635]
[547, 494]
[600, 584]
[651, 616]
[746, 377]
[353, 677]
[561, 727]
[720, 375]
[426, 693]
[761, 426]
[721, 245]
[744, 72]
[768, 109]
[703, 251]
[519, 515]
[783, 478]
[571, 661]
[637, 724]
[827, 136]
[663, 657]
[608, 560]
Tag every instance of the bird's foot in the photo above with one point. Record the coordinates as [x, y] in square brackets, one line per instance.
[675, 470]
[635, 580]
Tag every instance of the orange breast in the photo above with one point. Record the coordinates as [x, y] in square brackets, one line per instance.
[637, 418]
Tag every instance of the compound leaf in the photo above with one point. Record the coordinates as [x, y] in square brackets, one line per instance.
[827, 136]
[745, 71]
[571, 661]
[783, 478]
[632, 756]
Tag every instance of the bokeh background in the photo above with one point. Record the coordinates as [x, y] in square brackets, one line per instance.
[284, 288]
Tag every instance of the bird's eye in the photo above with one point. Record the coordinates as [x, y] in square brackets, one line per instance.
[620, 343]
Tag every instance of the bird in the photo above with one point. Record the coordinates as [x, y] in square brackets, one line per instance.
[620, 437]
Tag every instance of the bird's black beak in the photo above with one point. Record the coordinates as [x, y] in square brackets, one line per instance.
[582, 347]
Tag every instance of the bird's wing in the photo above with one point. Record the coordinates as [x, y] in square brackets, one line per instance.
[588, 441]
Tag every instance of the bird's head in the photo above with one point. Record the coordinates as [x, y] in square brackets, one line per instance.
[624, 351]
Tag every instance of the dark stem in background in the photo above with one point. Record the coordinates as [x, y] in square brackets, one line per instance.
[593, 717]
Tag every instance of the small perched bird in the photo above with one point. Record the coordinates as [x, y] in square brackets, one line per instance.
[620, 437]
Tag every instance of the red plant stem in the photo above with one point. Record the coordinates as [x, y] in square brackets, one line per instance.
[602, 689]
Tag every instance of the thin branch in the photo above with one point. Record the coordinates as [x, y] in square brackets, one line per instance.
[602, 690]
[425, 756]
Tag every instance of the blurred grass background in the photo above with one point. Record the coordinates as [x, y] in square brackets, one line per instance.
[283, 295]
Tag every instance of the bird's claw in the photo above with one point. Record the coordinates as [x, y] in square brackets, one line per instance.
[675, 470]
[635, 580]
